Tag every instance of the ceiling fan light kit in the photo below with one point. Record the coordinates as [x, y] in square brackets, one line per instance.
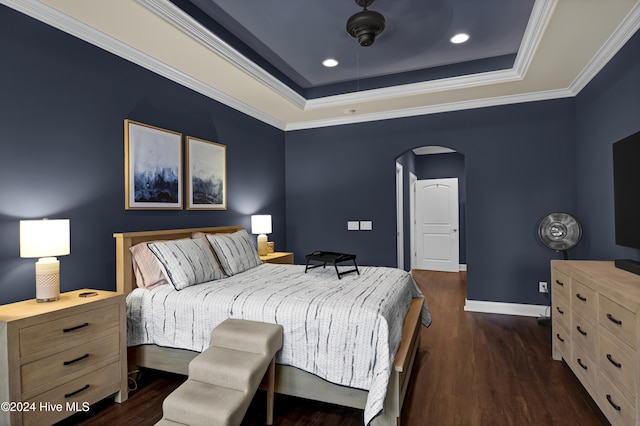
[366, 25]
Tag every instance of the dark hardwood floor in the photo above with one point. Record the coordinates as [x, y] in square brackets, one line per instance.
[471, 369]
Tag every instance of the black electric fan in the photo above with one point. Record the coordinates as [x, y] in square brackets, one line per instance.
[560, 232]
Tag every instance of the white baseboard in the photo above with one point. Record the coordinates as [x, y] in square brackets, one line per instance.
[506, 308]
[462, 267]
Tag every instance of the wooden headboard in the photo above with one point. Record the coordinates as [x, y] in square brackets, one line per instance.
[125, 278]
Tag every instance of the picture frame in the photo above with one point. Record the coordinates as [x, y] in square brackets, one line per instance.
[206, 181]
[153, 167]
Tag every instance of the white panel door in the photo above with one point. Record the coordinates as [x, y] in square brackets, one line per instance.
[437, 225]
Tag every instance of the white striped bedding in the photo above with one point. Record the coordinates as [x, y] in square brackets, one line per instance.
[346, 331]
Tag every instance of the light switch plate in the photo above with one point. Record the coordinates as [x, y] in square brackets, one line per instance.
[366, 225]
[353, 225]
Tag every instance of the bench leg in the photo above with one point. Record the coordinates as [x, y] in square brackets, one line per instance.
[271, 386]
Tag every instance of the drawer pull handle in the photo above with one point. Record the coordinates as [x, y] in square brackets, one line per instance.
[66, 330]
[581, 331]
[560, 311]
[76, 360]
[581, 297]
[612, 361]
[582, 365]
[559, 282]
[69, 395]
[615, 406]
[559, 338]
[613, 319]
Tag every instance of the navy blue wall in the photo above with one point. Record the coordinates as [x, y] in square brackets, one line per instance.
[607, 110]
[63, 106]
[335, 174]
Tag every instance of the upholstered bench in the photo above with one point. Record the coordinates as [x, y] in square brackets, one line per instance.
[224, 378]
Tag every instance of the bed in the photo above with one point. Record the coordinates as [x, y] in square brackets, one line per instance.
[157, 340]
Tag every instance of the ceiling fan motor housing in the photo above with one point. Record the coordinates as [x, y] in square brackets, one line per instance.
[365, 26]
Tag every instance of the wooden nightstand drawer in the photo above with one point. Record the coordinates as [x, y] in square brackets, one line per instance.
[619, 321]
[75, 395]
[68, 331]
[41, 375]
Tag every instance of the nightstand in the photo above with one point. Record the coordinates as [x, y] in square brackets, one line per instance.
[57, 358]
[278, 257]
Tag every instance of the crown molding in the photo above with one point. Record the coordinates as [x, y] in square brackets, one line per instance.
[627, 28]
[185, 23]
[56, 19]
[540, 15]
[433, 109]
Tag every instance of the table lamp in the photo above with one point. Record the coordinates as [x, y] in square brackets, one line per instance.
[261, 224]
[45, 239]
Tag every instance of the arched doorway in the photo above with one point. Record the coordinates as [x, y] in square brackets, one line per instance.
[423, 163]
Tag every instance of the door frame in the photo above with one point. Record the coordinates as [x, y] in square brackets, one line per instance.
[399, 215]
[413, 179]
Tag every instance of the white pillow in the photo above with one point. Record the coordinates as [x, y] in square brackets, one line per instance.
[186, 262]
[235, 251]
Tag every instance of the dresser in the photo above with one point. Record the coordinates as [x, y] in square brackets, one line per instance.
[595, 323]
[57, 358]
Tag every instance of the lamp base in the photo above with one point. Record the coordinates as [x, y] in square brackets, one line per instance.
[47, 279]
[262, 245]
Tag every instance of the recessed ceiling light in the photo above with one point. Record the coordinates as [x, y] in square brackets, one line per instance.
[330, 63]
[459, 38]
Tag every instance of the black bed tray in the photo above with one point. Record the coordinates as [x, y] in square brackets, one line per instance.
[334, 258]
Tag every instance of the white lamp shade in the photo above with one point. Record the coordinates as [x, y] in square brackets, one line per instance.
[44, 238]
[261, 224]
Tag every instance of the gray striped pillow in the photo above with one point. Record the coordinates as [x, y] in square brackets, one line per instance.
[235, 251]
[186, 262]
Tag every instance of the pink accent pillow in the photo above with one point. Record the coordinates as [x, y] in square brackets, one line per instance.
[146, 267]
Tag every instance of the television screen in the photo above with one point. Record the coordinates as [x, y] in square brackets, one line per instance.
[626, 185]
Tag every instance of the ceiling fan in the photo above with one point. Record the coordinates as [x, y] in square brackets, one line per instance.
[366, 25]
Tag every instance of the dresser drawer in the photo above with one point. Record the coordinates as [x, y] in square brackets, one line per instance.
[49, 372]
[67, 331]
[584, 333]
[619, 364]
[614, 405]
[619, 321]
[584, 367]
[584, 300]
[561, 341]
[561, 312]
[74, 395]
[560, 284]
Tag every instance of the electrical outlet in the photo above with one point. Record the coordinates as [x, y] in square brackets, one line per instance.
[542, 287]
